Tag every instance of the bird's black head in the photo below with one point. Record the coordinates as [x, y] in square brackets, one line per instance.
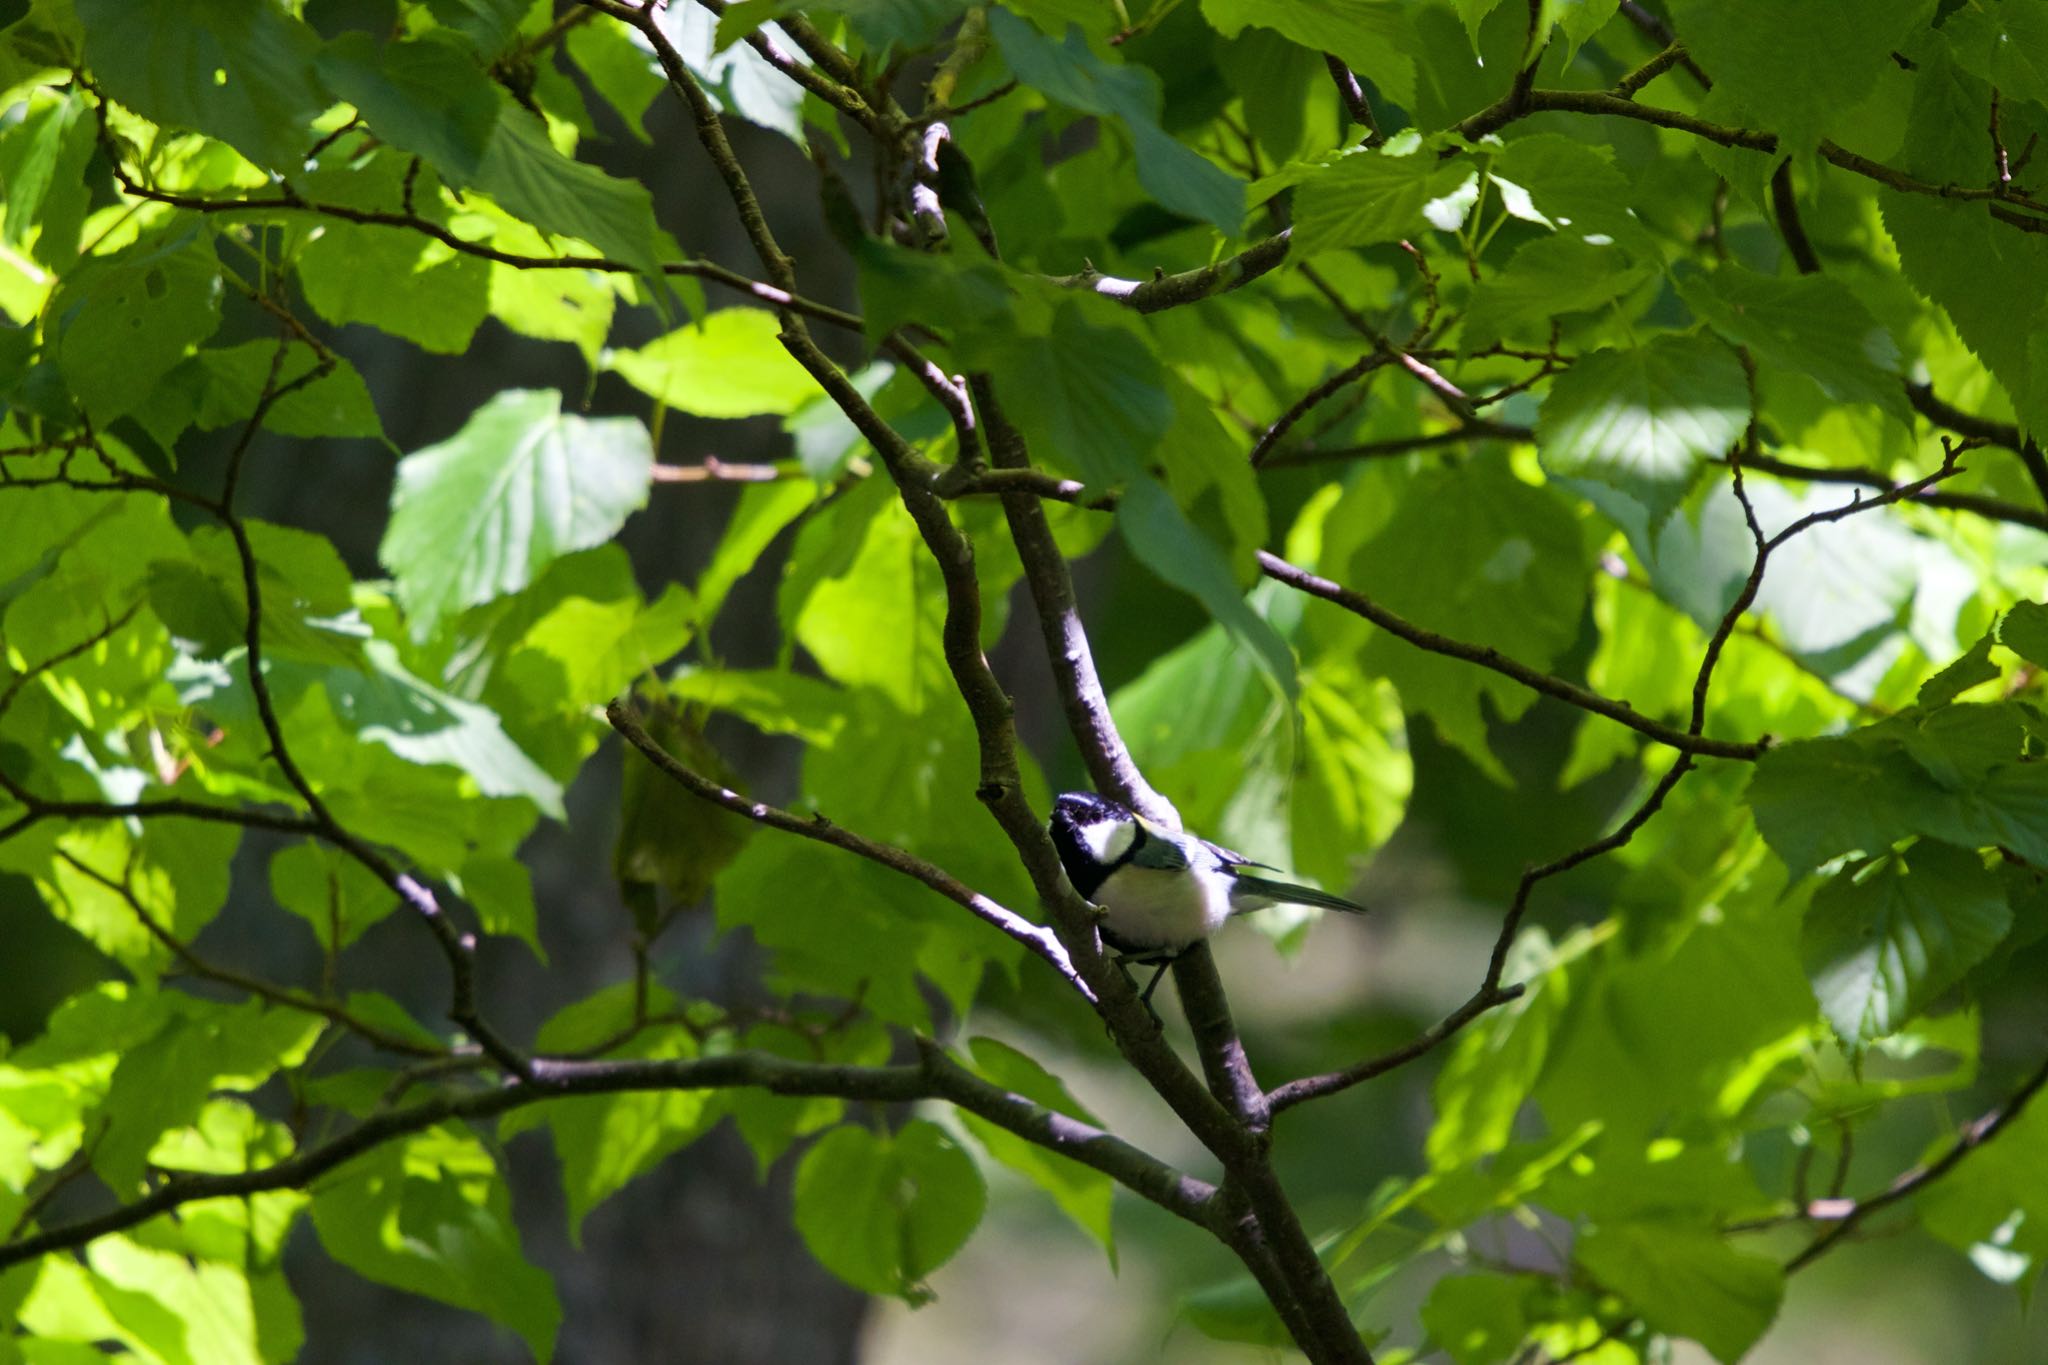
[1083, 828]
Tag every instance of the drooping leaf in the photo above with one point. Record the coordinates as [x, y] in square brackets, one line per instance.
[1068, 72]
[238, 70]
[478, 515]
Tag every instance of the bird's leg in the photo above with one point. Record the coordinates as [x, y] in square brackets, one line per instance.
[1162, 960]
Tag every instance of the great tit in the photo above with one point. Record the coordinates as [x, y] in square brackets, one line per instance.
[1161, 891]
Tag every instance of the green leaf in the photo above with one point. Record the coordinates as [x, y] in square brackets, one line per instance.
[728, 364]
[1479, 1319]
[431, 1214]
[1547, 278]
[739, 78]
[605, 1142]
[1160, 535]
[1955, 775]
[334, 405]
[1809, 323]
[162, 1081]
[1083, 1194]
[530, 179]
[123, 321]
[401, 282]
[238, 70]
[1071, 74]
[388, 705]
[1992, 281]
[881, 1212]
[1645, 421]
[762, 513]
[42, 163]
[2024, 631]
[1475, 553]
[2004, 43]
[1370, 35]
[1885, 938]
[337, 896]
[428, 97]
[479, 515]
[1370, 196]
[1795, 69]
[1973, 669]
[1090, 397]
[1686, 1281]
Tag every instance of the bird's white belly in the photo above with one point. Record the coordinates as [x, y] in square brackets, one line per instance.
[1155, 909]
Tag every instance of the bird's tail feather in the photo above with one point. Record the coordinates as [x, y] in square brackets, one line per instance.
[1294, 895]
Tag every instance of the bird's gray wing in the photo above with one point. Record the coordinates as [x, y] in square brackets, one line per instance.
[1157, 850]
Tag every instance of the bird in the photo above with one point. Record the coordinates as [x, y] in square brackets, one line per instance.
[1161, 890]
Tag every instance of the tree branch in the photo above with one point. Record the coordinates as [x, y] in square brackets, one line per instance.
[934, 1076]
[1040, 940]
[1851, 1213]
[1189, 286]
[1488, 657]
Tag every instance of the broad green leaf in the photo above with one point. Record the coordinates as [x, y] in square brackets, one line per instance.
[1646, 420]
[42, 161]
[1686, 1281]
[1083, 1194]
[1972, 669]
[103, 882]
[776, 703]
[480, 514]
[336, 404]
[1954, 775]
[729, 364]
[591, 651]
[422, 724]
[399, 282]
[121, 322]
[1368, 34]
[1477, 554]
[604, 1142]
[530, 179]
[882, 1212]
[428, 97]
[1071, 74]
[1740, 988]
[1795, 69]
[2024, 631]
[1884, 938]
[1545, 279]
[1091, 397]
[337, 896]
[1490, 1073]
[1479, 1319]
[431, 1214]
[2003, 42]
[1809, 323]
[1991, 280]
[1369, 196]
[762, 513]
[162, 1081]
[238, 70]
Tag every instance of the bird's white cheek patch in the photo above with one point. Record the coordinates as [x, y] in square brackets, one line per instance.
[1109, 840]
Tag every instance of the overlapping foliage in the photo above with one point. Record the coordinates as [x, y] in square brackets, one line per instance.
[1677, 363]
